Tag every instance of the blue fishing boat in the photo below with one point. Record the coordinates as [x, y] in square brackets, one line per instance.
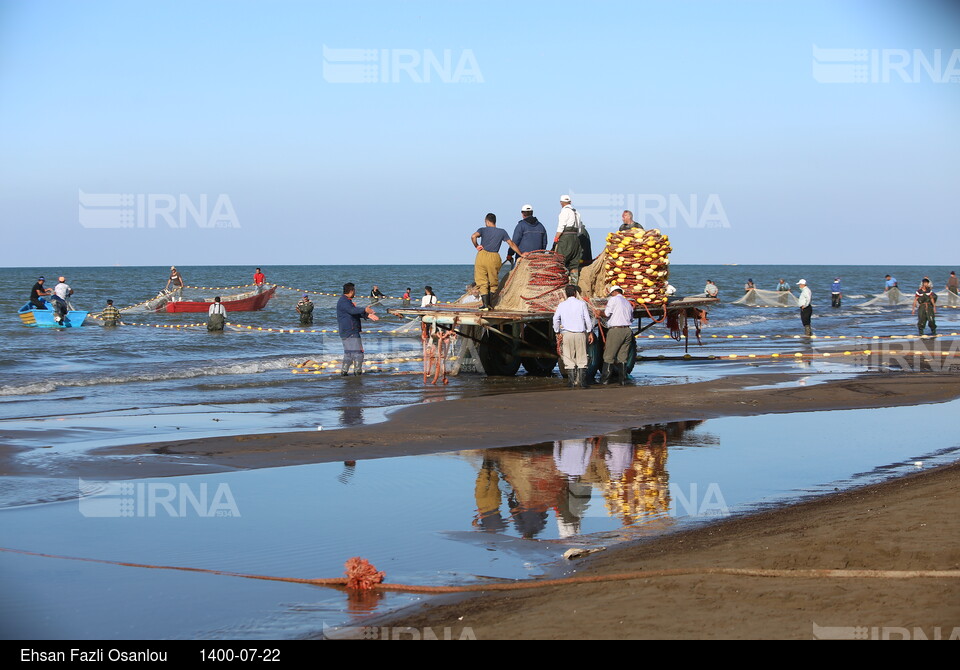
[31, 316]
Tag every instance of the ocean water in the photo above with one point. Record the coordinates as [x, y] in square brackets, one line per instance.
[104, 386]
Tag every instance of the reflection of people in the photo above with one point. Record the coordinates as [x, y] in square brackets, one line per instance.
[176, 279]
[805, 301]
[573, 322]
[305, 310]
[348, 322]
[925, 307]
[216, 315]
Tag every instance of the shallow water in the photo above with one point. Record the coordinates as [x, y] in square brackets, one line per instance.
[448, 518]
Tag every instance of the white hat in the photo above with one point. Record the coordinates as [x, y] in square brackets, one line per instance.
[526, 208]
[802, 281]
[615, 288]
[564, 198]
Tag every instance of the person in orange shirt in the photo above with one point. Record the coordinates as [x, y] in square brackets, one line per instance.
[259, 277]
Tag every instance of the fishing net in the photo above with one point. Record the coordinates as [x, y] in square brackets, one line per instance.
[891, 298]
[536, 284]
[637, 261]
[760, 298]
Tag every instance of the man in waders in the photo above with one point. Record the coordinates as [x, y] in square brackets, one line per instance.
[305, 310]
[925, 307]
[348, 322]
[486, 267]
[216, 316]
[616, 349]
[566, 242]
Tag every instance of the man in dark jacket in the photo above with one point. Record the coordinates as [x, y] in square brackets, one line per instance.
[529, 235]
[348, 323]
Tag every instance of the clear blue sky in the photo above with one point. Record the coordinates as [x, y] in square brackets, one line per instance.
[610, 100]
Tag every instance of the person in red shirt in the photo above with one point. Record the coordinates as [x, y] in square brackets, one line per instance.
[259, 277]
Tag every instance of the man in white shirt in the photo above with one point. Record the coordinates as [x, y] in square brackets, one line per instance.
[619, 313]
[711, 290]
[573, 323]
[566, 241]
[806, 306]
[61, 296]
[216, 315]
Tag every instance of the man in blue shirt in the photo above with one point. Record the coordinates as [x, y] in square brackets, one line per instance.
[835, 293]
[348, 323]
[486, 267]
[529, 235]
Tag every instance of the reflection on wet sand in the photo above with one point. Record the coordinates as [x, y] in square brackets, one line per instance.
[522, 485]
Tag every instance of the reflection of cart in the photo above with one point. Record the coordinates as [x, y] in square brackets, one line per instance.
[498, 342]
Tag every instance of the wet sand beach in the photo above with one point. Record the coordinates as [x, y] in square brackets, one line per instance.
[496, 421]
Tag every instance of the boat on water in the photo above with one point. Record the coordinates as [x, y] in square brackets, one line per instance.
[44, 318]
[242, 302]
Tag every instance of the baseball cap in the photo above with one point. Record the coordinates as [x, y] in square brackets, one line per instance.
[615, 288]
[305, 295]
[41, 279]
[564, 198]
[526, 208]
[802, 281]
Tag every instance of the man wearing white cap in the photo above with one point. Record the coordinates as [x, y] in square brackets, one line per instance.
[175, 278]
[529, 235]
[619, 313]
[567, 239]
[806, 306]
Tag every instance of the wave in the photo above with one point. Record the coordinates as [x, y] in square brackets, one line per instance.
[236, 368]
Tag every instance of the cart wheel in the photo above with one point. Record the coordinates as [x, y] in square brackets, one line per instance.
[496, 355]
[594, 359]
[540, 366]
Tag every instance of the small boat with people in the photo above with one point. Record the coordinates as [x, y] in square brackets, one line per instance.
[45, 317]
[250, 301]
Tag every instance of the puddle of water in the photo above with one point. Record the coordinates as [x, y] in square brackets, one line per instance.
[457, 517]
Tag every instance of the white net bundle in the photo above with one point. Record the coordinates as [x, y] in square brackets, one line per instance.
[891, 298]
[536, 284]
[760, 298]
[638, 261]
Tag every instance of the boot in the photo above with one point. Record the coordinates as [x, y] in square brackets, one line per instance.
[622, 373]
[583, 378]
[489, 301]
[572, 373]
[605, 373]
[484, 302]
[808, 331]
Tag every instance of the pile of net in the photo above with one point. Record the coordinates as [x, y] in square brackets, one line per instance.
[756, 297]
[892, 297]
[536, 284]
[637, 261]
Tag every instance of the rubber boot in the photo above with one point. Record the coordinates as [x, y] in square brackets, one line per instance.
[622, 373]
[808, 331]
[484, 302]
[605, 373]
[572, 373]
[489, 301]
[583, 378]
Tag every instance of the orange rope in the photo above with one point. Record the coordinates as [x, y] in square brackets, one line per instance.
[363, 576]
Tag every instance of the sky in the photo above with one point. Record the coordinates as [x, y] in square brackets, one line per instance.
[260, 133]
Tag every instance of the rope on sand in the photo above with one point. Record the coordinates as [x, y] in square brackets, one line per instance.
[362, 576]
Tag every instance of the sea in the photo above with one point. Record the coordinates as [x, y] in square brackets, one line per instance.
[65, 393]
